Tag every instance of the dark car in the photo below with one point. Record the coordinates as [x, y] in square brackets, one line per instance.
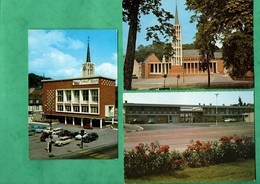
[43, 137]
[90, 137]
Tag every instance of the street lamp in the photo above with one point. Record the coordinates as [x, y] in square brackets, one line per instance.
[164, 76]
[216, 109]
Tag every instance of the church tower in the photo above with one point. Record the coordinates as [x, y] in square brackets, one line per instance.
[88, 68]
[177, 43]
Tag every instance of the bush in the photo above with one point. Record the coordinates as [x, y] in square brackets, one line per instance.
[153, 158]
[149, 159]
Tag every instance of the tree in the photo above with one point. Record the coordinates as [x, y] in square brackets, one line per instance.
[35, 80]
[159, 48]
[230, 21]
[240, 103]
[132, 11]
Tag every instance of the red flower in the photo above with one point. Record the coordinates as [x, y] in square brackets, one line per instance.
[202, 147]
[152, 144]
[198, 143]
[191, 147]
[177, 161]
[239, 139]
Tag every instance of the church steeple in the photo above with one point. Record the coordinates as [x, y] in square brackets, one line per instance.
[88, 68]
[176, 16]
[177, 43]
[88, 53]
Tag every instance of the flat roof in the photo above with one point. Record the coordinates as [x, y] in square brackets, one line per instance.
[77, 78]
[182, 106]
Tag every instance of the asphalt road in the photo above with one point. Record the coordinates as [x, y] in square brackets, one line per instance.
[178, 136]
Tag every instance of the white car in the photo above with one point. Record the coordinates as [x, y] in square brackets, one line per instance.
[62, 141]
[78, 137]
[229, 120]
[54, 130]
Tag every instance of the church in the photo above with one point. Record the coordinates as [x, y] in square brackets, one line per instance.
[86, 100]
[183, 63]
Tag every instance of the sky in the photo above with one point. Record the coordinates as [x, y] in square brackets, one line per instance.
[188, 29]
[60, 53]
[190, 98]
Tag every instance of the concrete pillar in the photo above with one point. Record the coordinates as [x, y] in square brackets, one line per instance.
[81, 122]
[73, 121]
[90, 122]
[66, 120]
[100, 123]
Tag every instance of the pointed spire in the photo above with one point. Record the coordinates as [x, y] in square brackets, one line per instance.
[176, 16]
[88, 53]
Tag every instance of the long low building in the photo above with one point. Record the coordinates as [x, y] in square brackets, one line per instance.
[164, 113]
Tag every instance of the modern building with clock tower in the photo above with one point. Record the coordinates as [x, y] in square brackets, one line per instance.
[86, 100]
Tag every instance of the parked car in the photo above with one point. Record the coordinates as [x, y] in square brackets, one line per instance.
[90, 137]
[66, 133]
[62, 141]
[230, 120]
[56, 130]
[136, 121]
[44, 135]
[30, 133]
[79, 136]
[88, 126]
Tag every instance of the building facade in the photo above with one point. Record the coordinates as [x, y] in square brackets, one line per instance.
[182, 63]
[87, 100]
[35, 101]
[162, 113]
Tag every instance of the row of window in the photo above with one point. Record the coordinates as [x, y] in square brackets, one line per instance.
[78, 109]
[78, 96]
[142, 110]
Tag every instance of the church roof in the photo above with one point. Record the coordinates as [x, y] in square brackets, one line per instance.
[152, 58]
[195, 52]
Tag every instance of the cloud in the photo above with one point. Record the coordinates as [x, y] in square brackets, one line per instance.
[107, 70]
[46, 55]
[114, 57]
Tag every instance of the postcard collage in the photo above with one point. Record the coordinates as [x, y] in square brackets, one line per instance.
[182, 95]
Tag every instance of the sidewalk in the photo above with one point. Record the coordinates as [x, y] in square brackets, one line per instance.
[216, 81]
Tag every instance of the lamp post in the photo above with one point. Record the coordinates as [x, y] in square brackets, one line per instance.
[164, 76]
[216, 109]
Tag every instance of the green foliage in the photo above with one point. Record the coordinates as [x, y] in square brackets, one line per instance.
[35, 80]
[132, 12]
[159, 48]
[231, 22]
[151, 159]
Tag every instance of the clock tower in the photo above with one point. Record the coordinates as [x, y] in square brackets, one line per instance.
[88, 68]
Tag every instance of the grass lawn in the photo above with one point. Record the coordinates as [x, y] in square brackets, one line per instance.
[242, 171]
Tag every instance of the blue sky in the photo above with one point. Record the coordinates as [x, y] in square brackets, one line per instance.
[190, 98]
[61, 53]
[188, 29]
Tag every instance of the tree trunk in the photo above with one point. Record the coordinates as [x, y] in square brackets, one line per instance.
[208, 63]
[131, 44]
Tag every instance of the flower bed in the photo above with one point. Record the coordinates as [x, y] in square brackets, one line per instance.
[153, 158]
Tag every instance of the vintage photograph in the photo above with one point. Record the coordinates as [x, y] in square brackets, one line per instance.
[188, 44]
[72, 87]
[174, 137]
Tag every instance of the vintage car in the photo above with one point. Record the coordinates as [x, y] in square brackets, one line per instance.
[62, 141]
[90, 137]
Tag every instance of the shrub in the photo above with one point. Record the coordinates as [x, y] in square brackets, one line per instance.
[149, 159]
[153, 158]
